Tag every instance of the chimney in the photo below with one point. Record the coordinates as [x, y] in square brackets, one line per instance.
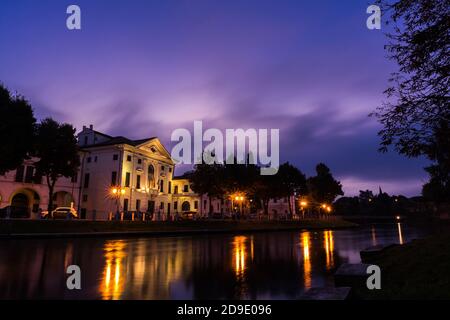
[91, 127]
[84, 128]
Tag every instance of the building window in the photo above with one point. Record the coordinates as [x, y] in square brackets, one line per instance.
[151, 176]
[163, 168]
[204, 204]
[127, 179]
[161, 187]
[114, 178]
[139, 161]
[86, 180]
[175, 190]
[169, 188]
[128, 158]
[85, 197]
[151, 206]
[29, 174]
[38, 178]
[161, 206]
[170, 169]
[195, 204]
[85, 140]
[74, 179]
[95, 159]
[125, 205]
[175, 205]
[115, 157]
[89, 159]
[185, 206]
[19, 173]
[138, 182]
[138, 205]
[186, 188]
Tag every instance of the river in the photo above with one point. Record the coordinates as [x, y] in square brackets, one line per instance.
[273, 265]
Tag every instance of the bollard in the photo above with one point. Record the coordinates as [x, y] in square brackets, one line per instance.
[109, 216]
[143, 217]
[132, 216]
[121, 216]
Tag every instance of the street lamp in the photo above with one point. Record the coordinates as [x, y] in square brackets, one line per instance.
[116, 193]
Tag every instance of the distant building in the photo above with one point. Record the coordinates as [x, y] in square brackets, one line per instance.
[118, 174]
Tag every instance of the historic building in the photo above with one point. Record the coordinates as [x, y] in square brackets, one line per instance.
[22, 188]
[118, 174]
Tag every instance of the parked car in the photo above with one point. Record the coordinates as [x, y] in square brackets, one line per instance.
[15, 212]
[61, 213]
[187, 215]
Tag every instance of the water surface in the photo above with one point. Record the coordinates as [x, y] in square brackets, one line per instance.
[275, 265]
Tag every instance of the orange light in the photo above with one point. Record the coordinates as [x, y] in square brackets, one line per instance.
[114, 191]
[122, 191]
[303, 203]
[236, 198]
[324, 206]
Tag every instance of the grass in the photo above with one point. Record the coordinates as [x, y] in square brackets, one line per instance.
[417, 270]
[10, 228]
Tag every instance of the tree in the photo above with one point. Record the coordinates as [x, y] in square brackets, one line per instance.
[264, 189]
[290, 181]
[323, 188]
[57, 149]
[205, 180]
[417, 111]
[17, 127]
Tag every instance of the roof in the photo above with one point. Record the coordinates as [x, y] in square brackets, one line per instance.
[186, 175]
[119, 140]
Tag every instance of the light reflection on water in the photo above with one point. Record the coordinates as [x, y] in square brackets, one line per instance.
[247, 266]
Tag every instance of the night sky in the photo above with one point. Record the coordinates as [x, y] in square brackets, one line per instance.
[143, 68]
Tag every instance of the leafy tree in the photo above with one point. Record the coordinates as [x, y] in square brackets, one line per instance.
[264, 189]
[57, 149]
[206, 180]
[290, 180]
[416, 115]
[438, 188]
[323, 188]
[17, 127]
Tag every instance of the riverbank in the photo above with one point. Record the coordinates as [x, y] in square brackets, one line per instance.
[417, 270]
[62, 228]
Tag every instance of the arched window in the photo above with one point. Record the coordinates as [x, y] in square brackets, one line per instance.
[185, 206]
[151, 176]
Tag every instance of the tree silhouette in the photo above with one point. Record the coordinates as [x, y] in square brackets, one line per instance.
[290, 180]
[57, 149]
[416, 115]
[323, 188]
[17, 127]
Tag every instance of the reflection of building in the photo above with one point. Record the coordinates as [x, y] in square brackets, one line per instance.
[118, 174]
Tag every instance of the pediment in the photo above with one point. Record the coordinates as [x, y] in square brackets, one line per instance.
[155, 148]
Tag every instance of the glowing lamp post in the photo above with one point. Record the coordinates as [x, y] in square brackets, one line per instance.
[303, 205]
[116, 193]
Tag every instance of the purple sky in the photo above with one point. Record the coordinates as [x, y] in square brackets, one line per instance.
[143, 68]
